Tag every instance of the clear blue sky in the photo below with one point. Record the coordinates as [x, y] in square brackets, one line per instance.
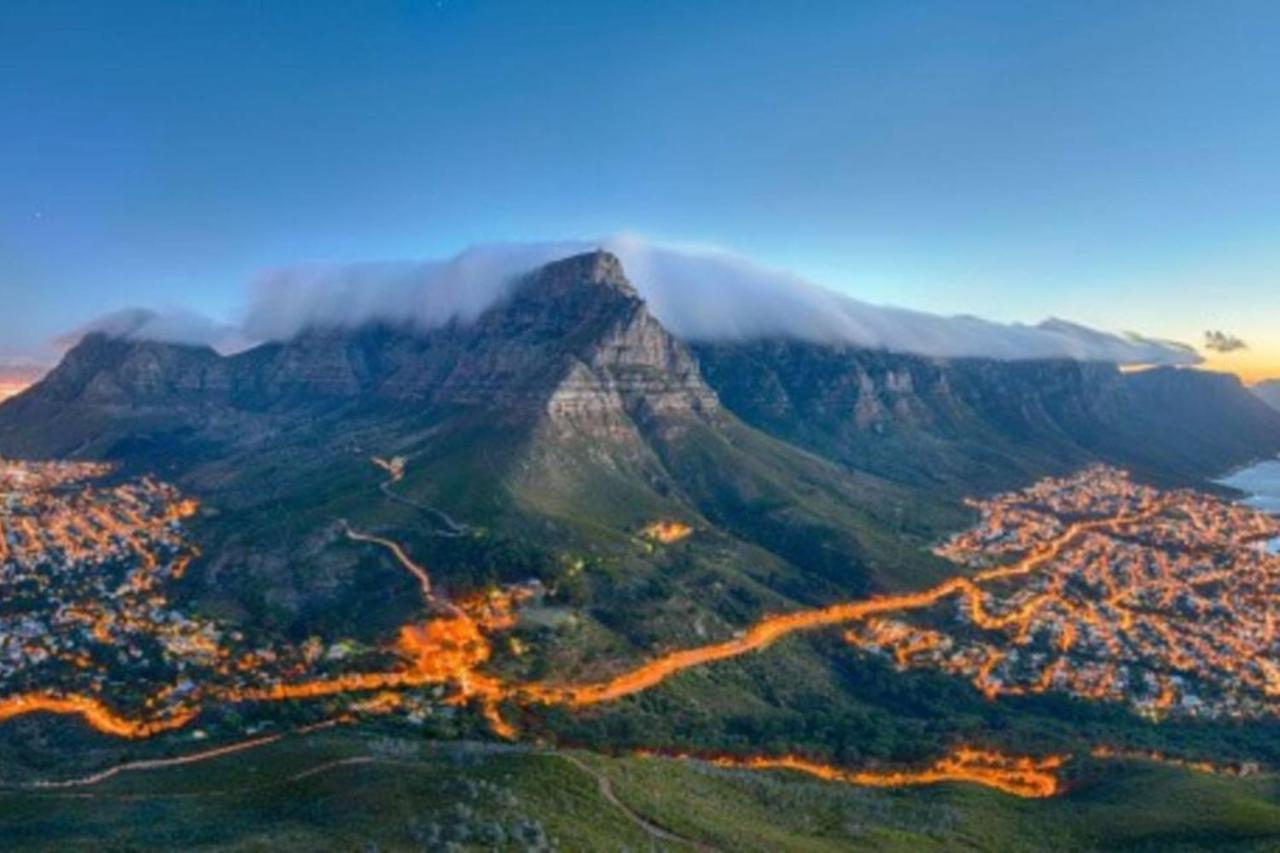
[1116, 163]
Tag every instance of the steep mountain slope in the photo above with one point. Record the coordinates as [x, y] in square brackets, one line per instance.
[979, 424]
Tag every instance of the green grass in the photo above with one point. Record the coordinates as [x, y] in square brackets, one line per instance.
[352, 790]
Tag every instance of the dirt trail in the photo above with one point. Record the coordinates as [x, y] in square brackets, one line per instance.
[395, 473]
[606, 790]
[158, 763]
[415, 569]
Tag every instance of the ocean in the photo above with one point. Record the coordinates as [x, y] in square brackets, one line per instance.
[1262, 482]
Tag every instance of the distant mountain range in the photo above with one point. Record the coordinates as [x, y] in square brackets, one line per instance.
[565, 417]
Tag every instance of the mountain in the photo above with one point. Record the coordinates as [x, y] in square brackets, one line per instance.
[543, 437]
[980, 424]
[559, 423]
[1268, 392]
[563, 419]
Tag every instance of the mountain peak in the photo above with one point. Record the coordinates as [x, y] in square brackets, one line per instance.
[599, 267]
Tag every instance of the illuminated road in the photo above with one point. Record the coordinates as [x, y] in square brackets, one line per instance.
[771, 629]
[453, 647]
[1019, 776]
[94, 712]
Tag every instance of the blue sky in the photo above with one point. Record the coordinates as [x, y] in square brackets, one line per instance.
[1113, 163]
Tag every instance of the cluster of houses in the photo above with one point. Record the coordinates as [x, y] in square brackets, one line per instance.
[1161, 600]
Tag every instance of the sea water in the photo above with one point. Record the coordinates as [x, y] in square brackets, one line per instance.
[1262, 483]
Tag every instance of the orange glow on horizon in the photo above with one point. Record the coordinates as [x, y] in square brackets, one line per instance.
[12, 389]
[1256, 364]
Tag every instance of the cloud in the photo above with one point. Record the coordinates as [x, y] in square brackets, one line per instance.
[424, 293]
[704, 295]
[175, 326]
[1219, 341]
[698, 293]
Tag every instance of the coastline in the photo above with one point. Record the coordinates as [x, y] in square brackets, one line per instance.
[1264, 495]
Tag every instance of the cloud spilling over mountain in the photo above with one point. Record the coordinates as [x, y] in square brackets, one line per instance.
[698, 294]
[426, 293]
[176, 326]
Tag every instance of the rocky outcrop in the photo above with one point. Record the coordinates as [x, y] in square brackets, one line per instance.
[574, 337]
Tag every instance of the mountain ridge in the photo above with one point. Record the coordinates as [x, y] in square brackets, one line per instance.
[563, 420]
[574, 339]
[556, 431]
[931, 420]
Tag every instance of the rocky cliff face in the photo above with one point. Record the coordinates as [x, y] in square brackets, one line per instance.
[567, 413]
[573, 337]
[572, 342]
[564, 414]
[106, 371]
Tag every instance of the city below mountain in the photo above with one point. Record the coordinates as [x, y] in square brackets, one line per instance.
[559, 527]
[588, 426]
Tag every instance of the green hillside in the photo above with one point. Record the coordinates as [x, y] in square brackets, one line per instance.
[345, 791]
